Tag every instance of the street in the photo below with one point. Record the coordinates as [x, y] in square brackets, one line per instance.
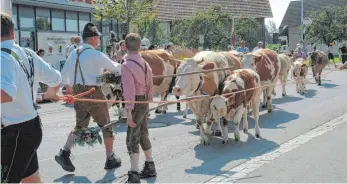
[317, 156]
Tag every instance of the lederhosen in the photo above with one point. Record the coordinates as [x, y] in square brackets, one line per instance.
[19, 142]
[85, 110]
[139, 135]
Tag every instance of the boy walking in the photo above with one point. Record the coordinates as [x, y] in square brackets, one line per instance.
[137, 86]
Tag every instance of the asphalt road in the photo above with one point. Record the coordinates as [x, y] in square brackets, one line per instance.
[179, 157]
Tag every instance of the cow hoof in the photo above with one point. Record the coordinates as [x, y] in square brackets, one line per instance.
[218, 133]
[319, 84]
[237, 139]
[184, 116]
[197, 126]
[245, 130]
[205, 142]
[257, 135]
[269, 110]
[263, 106]
[283, 94]
[164, 112]
[224, 142]
[158, 111]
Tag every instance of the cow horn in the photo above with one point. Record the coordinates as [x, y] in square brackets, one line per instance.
[201, 61]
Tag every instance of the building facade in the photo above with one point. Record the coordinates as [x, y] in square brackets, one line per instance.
[49, 25]
[292, 20]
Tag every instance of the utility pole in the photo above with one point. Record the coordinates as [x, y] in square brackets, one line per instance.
[127, 16]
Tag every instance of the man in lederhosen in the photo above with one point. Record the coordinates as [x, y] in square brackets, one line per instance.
[21, 132]
[83, 69]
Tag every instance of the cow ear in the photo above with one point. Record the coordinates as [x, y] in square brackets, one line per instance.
[257, 57]
[208, 66]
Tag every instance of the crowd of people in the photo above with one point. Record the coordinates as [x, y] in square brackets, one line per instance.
[21, 129]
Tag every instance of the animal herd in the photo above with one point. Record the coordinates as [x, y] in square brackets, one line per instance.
[252, 73]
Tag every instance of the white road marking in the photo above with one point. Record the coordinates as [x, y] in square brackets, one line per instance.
[247, 167]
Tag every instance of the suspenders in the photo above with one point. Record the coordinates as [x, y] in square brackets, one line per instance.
[143, 69]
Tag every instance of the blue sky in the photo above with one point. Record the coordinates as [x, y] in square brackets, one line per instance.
[279, 8]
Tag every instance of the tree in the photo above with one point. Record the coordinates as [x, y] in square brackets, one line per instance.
[328, 25]
[246, 28]
[128, 11]
[271, 27]
[215, 25]
[152, 30]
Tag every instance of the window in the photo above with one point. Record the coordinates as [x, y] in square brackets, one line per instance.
[26, 18]
[27, 39]
[43, 19]
[71, 21]
[83, 20]
[106, 26]
[14, 15]
[58, 23]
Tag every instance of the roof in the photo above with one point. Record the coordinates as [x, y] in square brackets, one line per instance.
[293, 13]
[170, 10]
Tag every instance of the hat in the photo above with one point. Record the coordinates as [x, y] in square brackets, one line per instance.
[90, 30]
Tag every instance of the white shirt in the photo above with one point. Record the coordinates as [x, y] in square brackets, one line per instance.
[15, 83]
[67, 50]
[93, 63]
[309, 48]
[71, 48]
[256, 48]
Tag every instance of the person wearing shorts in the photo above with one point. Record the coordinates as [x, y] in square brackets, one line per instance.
[137, 86]
[84, 68]
[21, 133]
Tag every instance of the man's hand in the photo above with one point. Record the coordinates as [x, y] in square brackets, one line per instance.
[52, 93]
[130, 119]
[69, 90]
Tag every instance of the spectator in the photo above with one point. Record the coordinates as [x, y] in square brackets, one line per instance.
[260, 46]
[242, 49]
[40, 52]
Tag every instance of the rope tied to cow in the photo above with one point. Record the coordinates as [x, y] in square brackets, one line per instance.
[187, 99]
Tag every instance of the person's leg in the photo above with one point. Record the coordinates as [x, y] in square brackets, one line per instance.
[100, 113]
[149, 167]
[34, 178]
[82, 121]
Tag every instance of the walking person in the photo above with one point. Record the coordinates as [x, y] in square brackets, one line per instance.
[330, 53]
[121, 52]
[83, 69]
[67, 53]
[137, 86]
[21, 133]
[343, 52]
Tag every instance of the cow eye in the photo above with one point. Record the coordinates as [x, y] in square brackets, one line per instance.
[215, 107]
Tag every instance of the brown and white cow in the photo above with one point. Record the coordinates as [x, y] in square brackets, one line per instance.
[202, 84]
[267, 64]
[162, 63]
[284, 71]
[234, 107]
[299, 73]
[319, 61]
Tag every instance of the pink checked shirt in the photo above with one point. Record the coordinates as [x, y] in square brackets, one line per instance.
[133, 79]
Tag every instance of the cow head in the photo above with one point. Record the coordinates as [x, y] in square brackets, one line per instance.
[187, 84]
[314, 57]
[250, 61]
[218, 107]
[300, 69]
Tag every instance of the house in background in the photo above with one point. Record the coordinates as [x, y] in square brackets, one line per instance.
[173, 10]
[292, 20]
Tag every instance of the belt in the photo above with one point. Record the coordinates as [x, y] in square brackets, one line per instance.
[141, 97]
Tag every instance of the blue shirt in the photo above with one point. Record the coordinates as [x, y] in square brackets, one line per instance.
[244, 50]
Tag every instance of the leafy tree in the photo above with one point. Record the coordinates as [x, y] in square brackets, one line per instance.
[328, 24]
[128, 11]
[271, 27]
[215, 25]
[274, 47]
[152, 30]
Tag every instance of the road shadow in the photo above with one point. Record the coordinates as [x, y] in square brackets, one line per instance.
[109, 177]
[68, 178]
[286, 99]
[214, 157]
[310, 93]
[329, 85]
[271, 120]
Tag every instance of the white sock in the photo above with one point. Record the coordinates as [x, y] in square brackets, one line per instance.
[69, 142]
[134, 159]
[148, 155]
